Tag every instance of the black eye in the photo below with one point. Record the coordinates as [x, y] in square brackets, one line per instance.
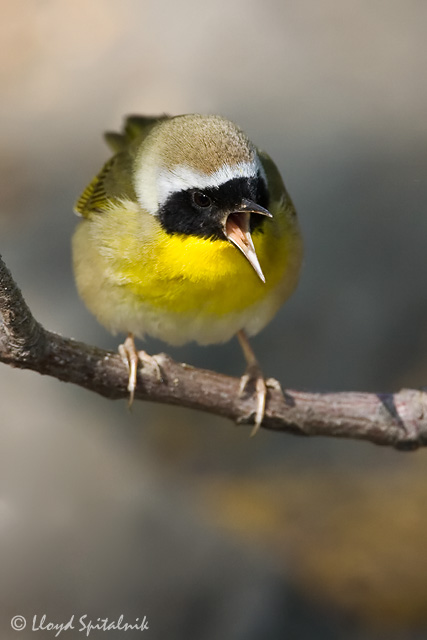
[200, 199]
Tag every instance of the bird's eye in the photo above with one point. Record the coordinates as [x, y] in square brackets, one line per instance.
[200, 199]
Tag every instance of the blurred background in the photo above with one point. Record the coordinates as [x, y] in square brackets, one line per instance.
[177, 515]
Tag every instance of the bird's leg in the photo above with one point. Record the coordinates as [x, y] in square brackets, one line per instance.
[253, 374]
[131, 357]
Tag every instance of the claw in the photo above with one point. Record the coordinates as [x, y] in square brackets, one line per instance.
[253, 374]
[152, 361]
[131, 357]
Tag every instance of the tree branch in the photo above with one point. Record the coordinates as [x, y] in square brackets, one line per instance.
[398, 420]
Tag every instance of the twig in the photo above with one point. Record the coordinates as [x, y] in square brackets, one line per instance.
[398, 420]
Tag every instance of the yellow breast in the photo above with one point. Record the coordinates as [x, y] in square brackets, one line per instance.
[150, 278]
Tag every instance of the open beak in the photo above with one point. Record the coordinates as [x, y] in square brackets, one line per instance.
[237, 231]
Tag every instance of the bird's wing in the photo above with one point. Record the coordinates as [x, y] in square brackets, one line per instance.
[276, 186]
[274, 179]
[136, 127]
[114, 182]
[112, 185]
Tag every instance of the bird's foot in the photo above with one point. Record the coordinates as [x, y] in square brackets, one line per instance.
[254, 377]
[131, 357]
[153, 362]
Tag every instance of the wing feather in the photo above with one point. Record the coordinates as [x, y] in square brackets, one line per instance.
[114, 182]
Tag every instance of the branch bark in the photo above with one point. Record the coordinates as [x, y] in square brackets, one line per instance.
[394, 419]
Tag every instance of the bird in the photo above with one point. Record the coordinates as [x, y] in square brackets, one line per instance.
[186, 234]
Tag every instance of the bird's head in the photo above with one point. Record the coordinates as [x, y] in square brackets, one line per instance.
[200, 175]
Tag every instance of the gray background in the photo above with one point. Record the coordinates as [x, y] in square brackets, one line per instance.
[176, 515]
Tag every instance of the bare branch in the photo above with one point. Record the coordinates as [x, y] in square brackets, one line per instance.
[398, 420]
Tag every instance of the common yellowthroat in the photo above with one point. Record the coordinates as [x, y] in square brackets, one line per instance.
[187, 233]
